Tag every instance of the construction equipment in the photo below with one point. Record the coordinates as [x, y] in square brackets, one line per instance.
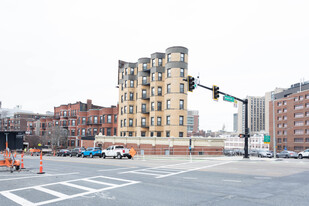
[9, 159]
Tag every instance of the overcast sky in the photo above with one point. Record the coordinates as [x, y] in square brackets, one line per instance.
[59, 52]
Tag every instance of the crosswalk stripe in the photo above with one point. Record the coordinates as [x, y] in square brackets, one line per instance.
[77, 186]
[17, 199]
[99, 182]
[52, 192]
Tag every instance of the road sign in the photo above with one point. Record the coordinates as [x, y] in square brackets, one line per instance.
[235, 103]
[228, 98]
[266, 139]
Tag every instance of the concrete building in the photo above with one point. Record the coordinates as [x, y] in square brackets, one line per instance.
[291, 109]
[235, 122]
[256, 115]
[192, 121]
[153, 95]
[256, 142]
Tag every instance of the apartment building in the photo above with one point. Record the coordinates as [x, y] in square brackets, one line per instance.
[153, 95]
[256, 114]
[291, 116]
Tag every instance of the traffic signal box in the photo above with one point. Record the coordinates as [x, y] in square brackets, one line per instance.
[215, 92]
[191, 83]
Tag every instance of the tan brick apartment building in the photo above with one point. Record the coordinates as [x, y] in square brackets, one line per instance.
[291, 119]
[153, 95]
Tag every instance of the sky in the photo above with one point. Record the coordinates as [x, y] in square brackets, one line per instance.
[59, 51]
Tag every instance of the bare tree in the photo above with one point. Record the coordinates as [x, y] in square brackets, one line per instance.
[56, 136]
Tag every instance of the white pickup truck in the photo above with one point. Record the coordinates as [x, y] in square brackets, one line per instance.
[118, 151]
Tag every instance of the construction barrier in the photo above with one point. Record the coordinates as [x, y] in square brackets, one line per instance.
[41, 165]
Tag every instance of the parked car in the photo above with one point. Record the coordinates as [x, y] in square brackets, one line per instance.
[63, 152]
[91, 152]
[228, 152]
[77, 151]
[118, 151]
[303, 154]
[287, 154]
[253, 152]
[265, 153]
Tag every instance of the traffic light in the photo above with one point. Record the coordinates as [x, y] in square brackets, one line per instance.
[191, 83]
[215, 92]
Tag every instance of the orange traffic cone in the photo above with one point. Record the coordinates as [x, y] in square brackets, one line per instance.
[22, 161]
[15, 154]
[41, 165]
[54, 153]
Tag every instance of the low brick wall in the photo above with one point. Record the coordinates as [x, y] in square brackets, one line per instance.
[165, 146]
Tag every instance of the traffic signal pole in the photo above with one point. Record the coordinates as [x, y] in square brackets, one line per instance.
[245, 102]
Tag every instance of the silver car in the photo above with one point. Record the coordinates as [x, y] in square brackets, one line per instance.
[265, 153]
[287, 154]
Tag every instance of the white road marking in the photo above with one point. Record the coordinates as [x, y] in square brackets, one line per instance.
[106, 170]
[263, 178]
[190, 178]
[231, 180]
[17, 199]
[60, 196]
[52, 192]
[190, 170]
[43, 175]
[145, 173]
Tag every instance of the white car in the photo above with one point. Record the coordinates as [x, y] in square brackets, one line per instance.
[303, 154]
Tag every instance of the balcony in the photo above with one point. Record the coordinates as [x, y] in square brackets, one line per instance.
[145, 126]
[145, 69]
[145, 111]
[145, 83]
[145, 97]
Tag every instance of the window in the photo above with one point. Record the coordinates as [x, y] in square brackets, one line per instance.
[109, 132]
[125, 84]
[298, 131]
[182, 72]
[83, 132]
[152, 91]
[132, 71]
[182, 57]
[144, 94]
[125, 96]
[130, 134]
[143, 122]
[299, 106]
[132, 83]
[180, 120]
[121, 86]
[126, 71]
[125, 122]
[158, 134]
[121, 98]
[115, 131]
[131, 96]
[130, 122]
[180, 134]
[144, 108]
[159, 121]
[159, 106]
[131, 109]
[298, 139]
[109, 118]
[152, 106]
[168, 88]
[181, 106]
[167, 133]
[181, 88]
[298, 115]
[153, 62]
[120, 124]
[298, 123]
[160, 62]
[169, 57]
[153, 75]
[307, 96]
[152, 121]
[168, 104]
[125, 110]
[168, 73]
[95, 120]
[115, 118]
[83, 120]
[143, 134]
[151, 134]
[159, 76]
[121, 110]
[103, 118]
[159, 91]
[168, 118]
[122, 75]
[144, 80]
[144, 66]
[95, 131]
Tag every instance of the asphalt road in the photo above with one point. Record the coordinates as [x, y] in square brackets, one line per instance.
[157, 181]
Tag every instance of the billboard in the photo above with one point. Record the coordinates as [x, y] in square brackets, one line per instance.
[15, 140]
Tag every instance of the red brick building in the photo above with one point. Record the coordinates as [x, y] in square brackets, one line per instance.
[291, 120]
[84, 121]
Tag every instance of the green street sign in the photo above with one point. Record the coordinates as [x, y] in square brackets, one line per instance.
[267, 139]
[228, 98]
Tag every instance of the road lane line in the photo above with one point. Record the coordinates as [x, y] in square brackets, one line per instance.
[99, 182]
[190, 170]
[52, 192]
[78, 186]
[17, 199]
[43, 175]
[146, 173]
[106, 170]
[231, 180]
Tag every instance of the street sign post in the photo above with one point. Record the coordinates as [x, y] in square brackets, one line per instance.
[228, 98]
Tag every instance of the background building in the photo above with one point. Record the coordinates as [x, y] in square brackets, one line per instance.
[256, 115]
[192, 121]
[235, 122]
[291, 108]
[153, 95]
